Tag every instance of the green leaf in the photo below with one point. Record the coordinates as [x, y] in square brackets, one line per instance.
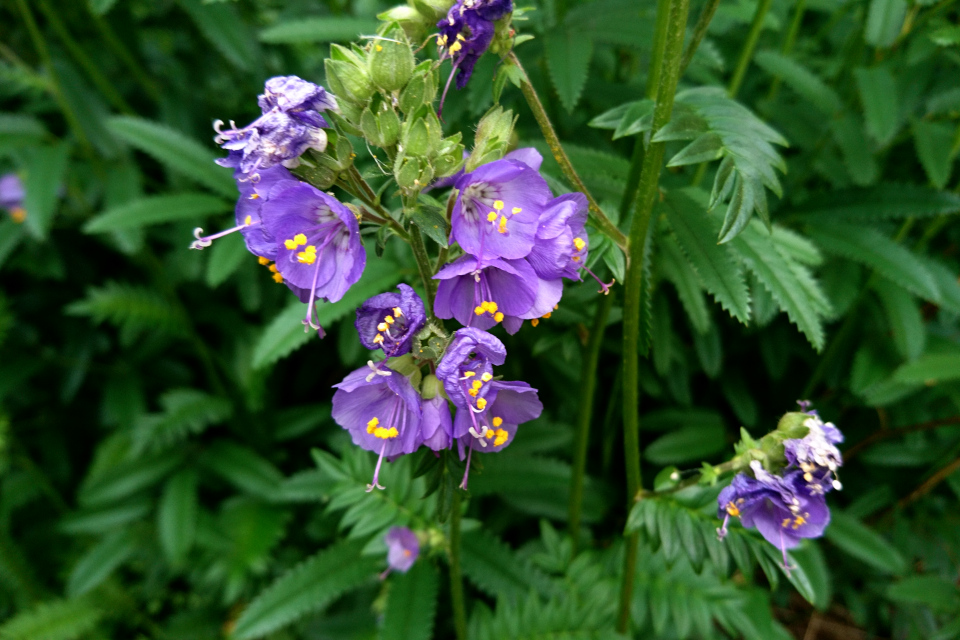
[933, 591]
[220, 24]
[904, 319]
[173, 149]
[105, 519]
[131, 308]
[946, 36]
[930, 369]
[157, 210]
[887, 201]
[947, 283]
[680, 272]
[11, 234]
[326, 29]
[778, 277]
[934, 143]
[285, 333]
[638, 118]
[244, 469]
[307, 588]
[99, 562]
[614, 118]
[412, 604]
[45, 169]
[857, 154]
[177, 516]
[53, 620]
[696, 233]
[226, 256]
[185, 412]
[430, 221]
[802, 80]
[864, 544]
[568, 54]
[127, 478]
[21, 128]
[884, 22]
[878, 95]
[809, 558]
[687, 444]
[873, 249]
[101, 7]
[491, 565]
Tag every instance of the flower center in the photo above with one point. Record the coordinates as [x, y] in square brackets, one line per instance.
[373, 426]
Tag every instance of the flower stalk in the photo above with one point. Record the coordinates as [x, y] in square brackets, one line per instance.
[456, 576]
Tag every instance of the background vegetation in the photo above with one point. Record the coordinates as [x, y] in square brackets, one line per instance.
[168, 465]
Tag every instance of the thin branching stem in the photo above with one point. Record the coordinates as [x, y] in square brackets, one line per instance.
[456, 576]
[598, 217]
[633, 287]
[699, 31]
[749, 45]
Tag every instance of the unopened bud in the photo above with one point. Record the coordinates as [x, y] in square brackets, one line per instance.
[416, 140]
[433, 10]
[414, 24]
[391, 61]
[347, 74]
[493, 137]
[430, 387]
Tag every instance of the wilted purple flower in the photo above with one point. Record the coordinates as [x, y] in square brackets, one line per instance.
[782, 509]
[467, 365]
[816, 454]
[403, 547]
[437, 426]
[498, 208]
[12, 195]
[319, 253]
[297, 98]
[389, 321]
[382, 413]
[466, 33]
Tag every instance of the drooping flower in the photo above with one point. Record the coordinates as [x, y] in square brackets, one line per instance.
[382, 413]
[403, 547]
[389, 321]
[561, 245]
[816, 454]
[437, 424]
[11, 197]
[491, 424]
[498, 208]
[527, 155]
[319, 253]
[467, 365]
[466, 33]
[781, 508]
[297, 98]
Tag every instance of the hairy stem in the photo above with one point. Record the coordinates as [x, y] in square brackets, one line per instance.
[639, 229]
[599, 218]
[749, 46]
[699, 31]
[424, 267]
[456, 577]
[591, 358]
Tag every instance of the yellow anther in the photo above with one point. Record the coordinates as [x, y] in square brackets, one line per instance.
[490, 434]
[456, 46]
[263, 261]
[372, 424]
[502, 227]
[497, 422]
[442, 40]
[278, 278]
[733, 510]
[378, 339]
[388, 319]
[487, 377]
[460, 37]
[576, 258]
[516, 210]
[535, 322]
[547, 315]
[492, 216]
[469, 374]
[498, 205]
[385, 434]
[481, 403]
[254, 196]
[300, 239]
[397, 311]
[799, 520]
[785, 523]
[476, 384]
[248, 220]
[579, 243]
[473, 392]
[479, 310]
[382, 326]
[273, 268]
[555, 307]
[502, 436]
[498, 317]
[379, 48]
[490, 306]
[308, 255]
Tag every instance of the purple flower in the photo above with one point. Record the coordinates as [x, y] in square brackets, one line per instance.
[498, 208]
[437, 429]
[466, 33]
[403, 547]
[297, 98]
[782, 509]
[11, 197]
[467, 365]
[319, 253]
[389, 321]
[816, 454]
[560, 249]
[382, 413]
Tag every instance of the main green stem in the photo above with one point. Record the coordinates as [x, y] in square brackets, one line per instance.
[639, 230]
[456, 576]
[598, 217]
[591, 358]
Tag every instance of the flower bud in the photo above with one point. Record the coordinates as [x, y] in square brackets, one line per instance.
[413, 23]
[416, 140]
[433, 10]
[493, 137]
[422, 89]
[430, 387]
[319, 175]
[407, 172]
[347, 74]
[391, 61]
[430, 343]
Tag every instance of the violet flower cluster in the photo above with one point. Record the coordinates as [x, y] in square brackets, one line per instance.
[790, 505]
[466, 33]
[385, 412]
[403, 548]
[519, 242]
[11, 197]
[308, 239]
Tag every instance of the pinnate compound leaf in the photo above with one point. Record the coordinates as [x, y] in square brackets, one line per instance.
[127, 478]
[53, 620]
[802, 80]
[412, 604]
[778, 276]
[157, 210]
[244, 469]
[307, 588]
[99, 562]
[494, 567]
[887, 201]
[185, 412]
[873, 249]
[683, 276]
[175, 150]
[856, 150]
[716, 265]
[568, 54]
[687, 444]
[865, 544]
[325, 29]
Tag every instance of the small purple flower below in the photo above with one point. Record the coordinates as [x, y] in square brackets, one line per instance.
[390, 321]
[11, 197]
[466, 33]
[403, 548]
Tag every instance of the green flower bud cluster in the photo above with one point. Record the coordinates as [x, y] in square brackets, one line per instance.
[493, 137]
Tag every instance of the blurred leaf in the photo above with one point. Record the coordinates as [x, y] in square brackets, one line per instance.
[45, 169]
[802, 80]
[101, 7]
[884, 22]
[685, 279]
[107, 519]
[687, 444]
[307, 588]
[177, 516]
[933, 591]
[131, 308]
[220, 24]
[185, 412]
[52, 620]
[857, 153]
[934, 142]
[244, 469]
[568, 55]
[127, 478]
[863, 543]
[930, 369]
[412, 603]
[226, 256]
[99, 562]
[880, 203]
[878, 95]
[491, 565]
[176, 151]
[325, 29]
[157, 210]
